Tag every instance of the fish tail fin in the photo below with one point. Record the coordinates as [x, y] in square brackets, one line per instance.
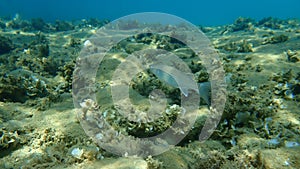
[204, 91]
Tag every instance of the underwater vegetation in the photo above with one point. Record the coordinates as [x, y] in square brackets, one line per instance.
[259, 127]
[6, 45]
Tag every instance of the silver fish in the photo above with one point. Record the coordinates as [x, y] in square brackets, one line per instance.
[181, 80]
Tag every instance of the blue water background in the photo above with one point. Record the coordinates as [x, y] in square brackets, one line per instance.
[199, 12]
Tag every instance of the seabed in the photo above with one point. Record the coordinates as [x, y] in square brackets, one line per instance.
[260, 126]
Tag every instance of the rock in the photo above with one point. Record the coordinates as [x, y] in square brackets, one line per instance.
[280, 158]
[173, 159]
[120, 163]
[250, 141]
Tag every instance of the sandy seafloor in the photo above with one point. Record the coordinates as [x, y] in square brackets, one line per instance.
[260, 126]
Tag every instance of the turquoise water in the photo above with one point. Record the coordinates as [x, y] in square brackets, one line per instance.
[198, 12]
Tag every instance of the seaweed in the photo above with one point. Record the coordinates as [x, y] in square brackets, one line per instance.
[21, 85]
[245, 47]
[293, 56]
[43, 50]
[8, 141]
[239, 46]
[278, 39]
[241, 23]
[275, 39]
[248, 136]
[2, 24]
[270, 22]
[66, 71]
[6, 45]
[38, 24]
[63, 26]
[94, 22]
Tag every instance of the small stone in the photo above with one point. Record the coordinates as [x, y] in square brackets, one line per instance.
[77, 153]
